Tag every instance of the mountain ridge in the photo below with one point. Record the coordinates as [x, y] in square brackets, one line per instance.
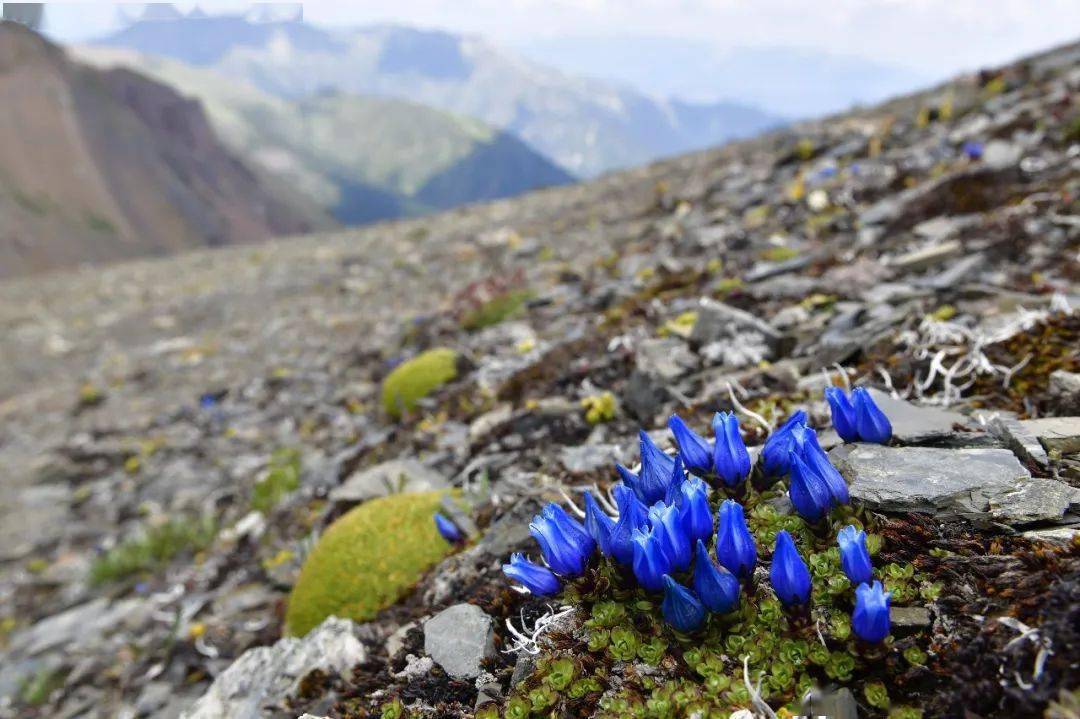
[585, 126]
[98, 166]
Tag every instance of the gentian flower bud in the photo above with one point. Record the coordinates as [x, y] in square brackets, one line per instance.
[774, 455]
[808, 491]
[681, 609]
[818, 461]
[651, 562]
[870, 619]
[843, 414]
[537, 579]
[731, 461]
[657, 470]
[597, 523]
[854, 557]
[696, 515]
[565, 544]
[673, 495]
[667, 525]
[448, 529]
[717, 588]
[871, 424]
[696, 451]
[632, 516]
[734, 543]
[788, 573]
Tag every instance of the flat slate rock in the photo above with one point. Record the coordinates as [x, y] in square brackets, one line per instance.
[982, 484]
[264, 677]
[458, 638]
[1057, 434]
[390, 477]
[914, 424]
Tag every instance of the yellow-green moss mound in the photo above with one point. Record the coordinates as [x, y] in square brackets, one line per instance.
[366, 560]
[415, 379]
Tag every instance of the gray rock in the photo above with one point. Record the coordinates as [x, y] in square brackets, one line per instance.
[838, 704]
[266, 676]
[644, 396]
[1000, 154]
[928, 256]
[717, 321]
[1054, 535]
[80, 626]
[956, 273]
[522, 669]
[909, 617]
[664, 358]
[913, 424]
[1065, 388]
[981, 484]
[589, 457]
[392, 476]
[489, 421]
[152, 697]
[1035, 500]
[1019, 439]
[1057, 434]
[458, 638]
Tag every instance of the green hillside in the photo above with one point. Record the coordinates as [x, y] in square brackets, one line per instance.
[363, 158]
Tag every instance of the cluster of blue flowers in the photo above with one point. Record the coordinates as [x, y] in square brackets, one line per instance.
[857, 418]
[665, 521]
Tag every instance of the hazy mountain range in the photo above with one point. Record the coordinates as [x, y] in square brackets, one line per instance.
[793, 82]
[362, 158]
[585, 126]
[106, 165]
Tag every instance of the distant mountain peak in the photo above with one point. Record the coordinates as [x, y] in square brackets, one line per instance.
[585, 126]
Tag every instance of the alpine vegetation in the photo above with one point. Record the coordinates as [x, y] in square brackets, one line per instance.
[665, 524]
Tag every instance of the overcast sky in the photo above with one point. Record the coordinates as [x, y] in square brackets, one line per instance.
[938, 37]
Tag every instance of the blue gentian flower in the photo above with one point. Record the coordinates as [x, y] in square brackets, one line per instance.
[651, 562]
[667, 525]
[633, 515]
[843, 414]
[565, 544]
[673, 495]
[448, 529]
[788, 573]
[537, 579]
[681, 609]
[854, 557]
[973, 150]
[774, 455]
[696, 451]
[598, 524]
[717, 588]
[870, 619]
[808, 492]
[657, 471]
[695, 513]
[734, 543]
[871, 424]
[731, 461]
[818, 461]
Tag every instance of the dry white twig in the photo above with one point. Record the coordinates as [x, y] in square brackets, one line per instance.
[755, 690]
[527, 640]
[752, 415]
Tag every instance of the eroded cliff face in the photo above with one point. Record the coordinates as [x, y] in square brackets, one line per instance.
[98, 166]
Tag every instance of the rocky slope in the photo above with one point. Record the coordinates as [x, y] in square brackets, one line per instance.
[98, 166]
[926, 248]
[360, 158]
[585, 126]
